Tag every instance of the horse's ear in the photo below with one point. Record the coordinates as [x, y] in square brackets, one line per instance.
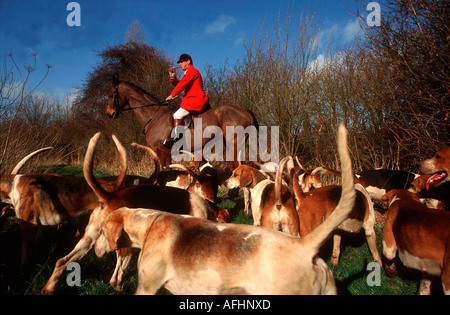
[115, 79]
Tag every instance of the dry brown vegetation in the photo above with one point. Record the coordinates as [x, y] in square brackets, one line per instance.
[391, 89]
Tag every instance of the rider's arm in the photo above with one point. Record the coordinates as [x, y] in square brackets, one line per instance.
[185, 82]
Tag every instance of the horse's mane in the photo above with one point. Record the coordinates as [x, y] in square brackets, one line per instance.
[141, 89]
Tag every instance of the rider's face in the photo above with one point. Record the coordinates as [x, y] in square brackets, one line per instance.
[185, 65]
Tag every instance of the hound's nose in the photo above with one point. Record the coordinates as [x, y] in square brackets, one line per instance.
[113, 115]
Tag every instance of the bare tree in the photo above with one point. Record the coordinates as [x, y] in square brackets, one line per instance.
[274, 79]
[411, 47]
[390, 88]
[14, 93]
[135, 62]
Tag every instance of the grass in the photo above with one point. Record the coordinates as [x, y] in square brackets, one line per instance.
[350, 274]
[71, 170]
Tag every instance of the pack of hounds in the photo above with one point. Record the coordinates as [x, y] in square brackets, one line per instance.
[188, 245]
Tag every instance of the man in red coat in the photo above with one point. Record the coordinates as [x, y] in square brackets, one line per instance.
[195, 98]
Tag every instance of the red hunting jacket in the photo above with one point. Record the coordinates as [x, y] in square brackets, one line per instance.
[192, 84]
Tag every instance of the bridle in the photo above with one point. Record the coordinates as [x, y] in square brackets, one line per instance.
[115, 106]
[119, 109]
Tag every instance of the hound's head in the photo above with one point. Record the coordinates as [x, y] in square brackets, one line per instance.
[241, 177]
[438, 167]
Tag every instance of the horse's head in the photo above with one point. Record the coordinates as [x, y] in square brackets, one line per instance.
[116, 101]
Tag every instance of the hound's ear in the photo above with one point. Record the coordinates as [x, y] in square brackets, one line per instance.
[246, 178]
[115, 79]
[117, 237]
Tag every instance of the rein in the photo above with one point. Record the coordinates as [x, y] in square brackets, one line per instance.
[169, 106]
[165, 103]
[150, 119]
[137, 107]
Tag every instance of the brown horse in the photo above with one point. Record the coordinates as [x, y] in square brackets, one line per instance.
[155, 118]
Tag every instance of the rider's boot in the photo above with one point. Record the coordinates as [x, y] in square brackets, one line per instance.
[170, 141]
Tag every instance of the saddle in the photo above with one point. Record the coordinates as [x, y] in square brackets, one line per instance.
[187, 121]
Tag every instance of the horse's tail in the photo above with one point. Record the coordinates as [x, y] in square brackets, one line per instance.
[255, 121]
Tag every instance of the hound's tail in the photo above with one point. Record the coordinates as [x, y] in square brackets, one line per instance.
[346, 202]
[154, 178]
[278, 201]
[88, 173]
[19, 165]
[123, 162]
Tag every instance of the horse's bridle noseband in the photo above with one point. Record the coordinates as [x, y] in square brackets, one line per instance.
[115, 106]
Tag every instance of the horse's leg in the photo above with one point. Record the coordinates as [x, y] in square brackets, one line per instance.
[159, 131]
[230, 145]
[239, 146]
[234, 163]
[164, 156]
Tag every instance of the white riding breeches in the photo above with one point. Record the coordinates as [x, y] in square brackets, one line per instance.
[180, 113]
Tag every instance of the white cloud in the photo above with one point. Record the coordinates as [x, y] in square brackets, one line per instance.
[351, 30]
[219, 25]
[318, 63]
[322, 37]
[317, 40]
[339, 33]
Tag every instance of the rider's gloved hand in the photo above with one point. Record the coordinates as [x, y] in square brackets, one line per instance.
[170, 97]
[172, 74]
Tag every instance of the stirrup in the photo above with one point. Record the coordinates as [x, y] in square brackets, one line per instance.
[168, 143]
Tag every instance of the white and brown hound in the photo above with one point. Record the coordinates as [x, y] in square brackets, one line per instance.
[41, 199]
[145, 195]
[193, 256]
[269, 169]
[206, 183]
[420, 236]
[379, 181]
[273, 205]
[309, 179]
[316, 205]
[436, 197]
[438, 166]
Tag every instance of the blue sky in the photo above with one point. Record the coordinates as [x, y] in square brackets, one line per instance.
[211, 31]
